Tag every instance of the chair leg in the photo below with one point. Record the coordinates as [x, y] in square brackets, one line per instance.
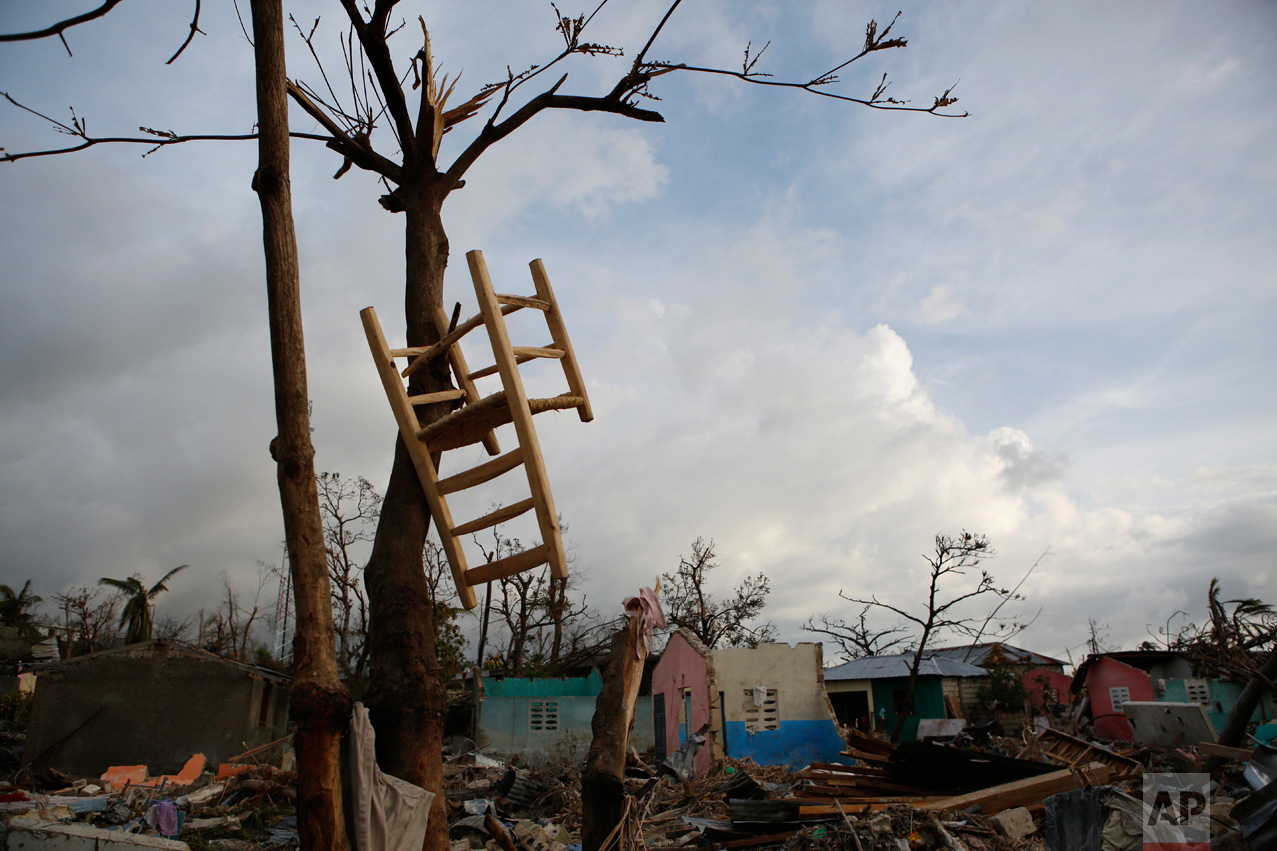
[517, 398]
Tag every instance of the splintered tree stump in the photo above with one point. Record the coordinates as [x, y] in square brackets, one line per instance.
[603, 781]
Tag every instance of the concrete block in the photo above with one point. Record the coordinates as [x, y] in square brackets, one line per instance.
[1015, 823]
[80, 837]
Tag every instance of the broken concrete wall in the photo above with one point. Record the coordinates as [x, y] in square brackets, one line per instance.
[541, 718]
[774, 705]
[1217, 697]
[154, 704]
[853, 701]
[680, 694]
[1111, 683]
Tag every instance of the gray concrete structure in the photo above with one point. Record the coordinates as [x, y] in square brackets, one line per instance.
[154, 703]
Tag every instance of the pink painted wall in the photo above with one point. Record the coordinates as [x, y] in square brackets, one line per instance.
[1105, 674]
[681, 667]
[1061, 683]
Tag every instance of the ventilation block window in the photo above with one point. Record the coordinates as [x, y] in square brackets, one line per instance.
[762, 709]
[1198, 691]
[1119, 695]
[543, 716]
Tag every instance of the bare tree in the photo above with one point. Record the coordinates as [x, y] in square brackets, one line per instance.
[88, 618]
[320, 704]
[856, 639]
[406, 696]
[349, 508]
[450, 641]
[172, 628]
[239, 615]
[716, 622]
[952, 559]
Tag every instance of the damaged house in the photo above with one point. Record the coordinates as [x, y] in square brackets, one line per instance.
[1111, 680]
[867, 692]
[156, 703]
[764, 703]
[539, 718]
[1046, 686]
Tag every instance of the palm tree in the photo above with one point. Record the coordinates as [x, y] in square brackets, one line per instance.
[136, 618]
[14, 609]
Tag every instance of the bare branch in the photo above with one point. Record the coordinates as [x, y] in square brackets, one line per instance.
[372, 37]
[62, 26]
[157, 138]
[195, 28]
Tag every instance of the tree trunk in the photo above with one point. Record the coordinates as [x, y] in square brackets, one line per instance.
[1245, 706]
[320, 704]
[406, 697]
[906, 707]
[603, 781]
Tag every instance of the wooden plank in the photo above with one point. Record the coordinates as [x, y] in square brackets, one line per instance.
[753, 841]
[1237, 754]
[877, 759]
[449, 339]
[522, 356]
[499, 516]
[1020, 793]
[951, 706]
[522, 301]
[441, 396]
[559, 333]
[460, 371]
[508, 566]
[485, 472]
[537, 352]
[533, 462]
[867, 785]
[421, 461]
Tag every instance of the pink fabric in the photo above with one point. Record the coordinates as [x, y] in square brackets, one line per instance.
[647, 608]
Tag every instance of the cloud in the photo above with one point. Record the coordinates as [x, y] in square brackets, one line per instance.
[940, 305]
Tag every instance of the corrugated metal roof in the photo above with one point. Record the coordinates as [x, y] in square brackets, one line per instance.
[977, 654]
[882, 667]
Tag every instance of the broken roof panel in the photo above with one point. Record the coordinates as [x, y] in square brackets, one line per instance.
[977, 654]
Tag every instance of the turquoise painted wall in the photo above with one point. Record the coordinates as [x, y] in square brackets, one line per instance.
[928, 702]
[1223, 697]
[544, 687]
[795, 744]
[504, 717]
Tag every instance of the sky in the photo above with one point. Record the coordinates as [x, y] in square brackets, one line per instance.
[817, 334]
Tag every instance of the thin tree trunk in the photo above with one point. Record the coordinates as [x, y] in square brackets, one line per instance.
[320, 704]
[603, 780]
[406, 697]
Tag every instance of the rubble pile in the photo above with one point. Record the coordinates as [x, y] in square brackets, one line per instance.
[910, 798]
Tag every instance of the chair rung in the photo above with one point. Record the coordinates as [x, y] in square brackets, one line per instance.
[522, 354]
[424, 354]
[508, 566]
[441, 396]
[483, 473]
[523, 301]
[499, 516]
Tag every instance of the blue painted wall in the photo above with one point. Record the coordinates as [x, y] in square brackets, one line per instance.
[795, 744]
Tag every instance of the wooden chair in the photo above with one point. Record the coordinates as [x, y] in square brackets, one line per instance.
[477, 417]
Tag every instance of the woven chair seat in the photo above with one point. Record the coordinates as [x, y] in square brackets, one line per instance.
[470, 424]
